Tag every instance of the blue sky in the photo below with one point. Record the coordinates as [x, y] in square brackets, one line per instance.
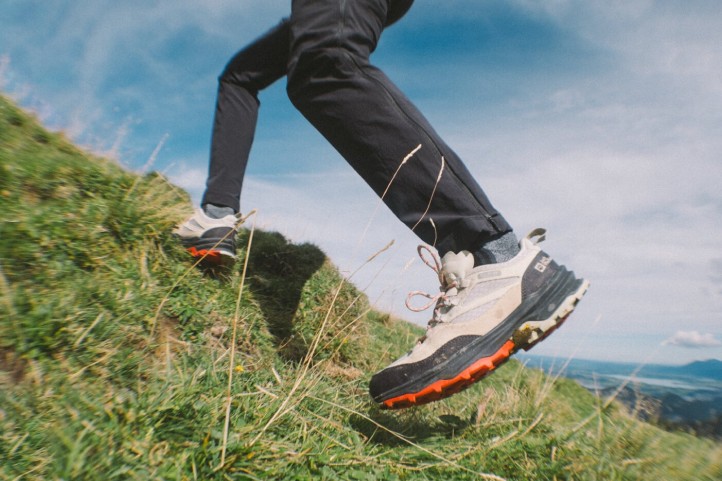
[600, 121]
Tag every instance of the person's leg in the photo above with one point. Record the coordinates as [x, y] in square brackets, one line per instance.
[252, 69]
[484, 313]
[209, 234]
[374, 126]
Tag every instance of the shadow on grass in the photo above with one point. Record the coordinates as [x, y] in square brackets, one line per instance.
[385, 427]
[277, 274]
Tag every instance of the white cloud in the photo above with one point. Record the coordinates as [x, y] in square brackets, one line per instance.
[341, 215]
[4, 68]
[192, 179]
[693, 340]
[153, 65]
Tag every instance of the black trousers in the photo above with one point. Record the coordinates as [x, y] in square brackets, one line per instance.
[323, 49]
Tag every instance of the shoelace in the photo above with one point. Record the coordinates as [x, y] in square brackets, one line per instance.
[447, 290]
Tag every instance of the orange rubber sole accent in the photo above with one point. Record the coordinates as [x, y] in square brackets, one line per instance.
[211, 256]
[476, 371]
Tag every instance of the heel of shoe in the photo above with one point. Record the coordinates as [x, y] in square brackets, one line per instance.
[531, 333]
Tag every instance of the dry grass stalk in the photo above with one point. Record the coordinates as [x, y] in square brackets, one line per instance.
[232, 356]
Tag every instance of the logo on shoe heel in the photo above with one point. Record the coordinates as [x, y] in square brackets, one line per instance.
[542, 265]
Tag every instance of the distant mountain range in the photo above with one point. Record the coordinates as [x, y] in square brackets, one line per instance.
[709, 369]
[685, 397]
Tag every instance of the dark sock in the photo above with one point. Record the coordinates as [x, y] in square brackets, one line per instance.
[217, 211]
[498, 250]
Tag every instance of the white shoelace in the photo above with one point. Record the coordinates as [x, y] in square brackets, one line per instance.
[447, 290]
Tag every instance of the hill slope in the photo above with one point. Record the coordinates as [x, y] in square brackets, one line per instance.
[118, 360]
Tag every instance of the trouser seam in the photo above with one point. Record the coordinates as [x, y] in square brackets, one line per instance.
[488, 215]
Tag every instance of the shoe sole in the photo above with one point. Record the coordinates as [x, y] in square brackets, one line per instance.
[212, 257]
[525, 337]
[216, 248]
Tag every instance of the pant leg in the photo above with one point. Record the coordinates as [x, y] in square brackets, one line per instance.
[374, 126]
[252, 69]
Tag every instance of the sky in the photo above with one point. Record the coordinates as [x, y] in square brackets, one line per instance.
[598, 120]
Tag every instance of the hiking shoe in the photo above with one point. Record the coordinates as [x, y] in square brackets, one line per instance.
[212, 240]
[482, 316]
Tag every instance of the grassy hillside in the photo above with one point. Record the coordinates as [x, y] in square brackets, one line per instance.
[119, 360]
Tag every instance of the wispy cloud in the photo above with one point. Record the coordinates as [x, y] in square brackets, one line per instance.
[190, 178]
[692, 340]
[107, 63]
[4, 64]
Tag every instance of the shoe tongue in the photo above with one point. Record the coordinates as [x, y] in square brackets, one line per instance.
[454, 267]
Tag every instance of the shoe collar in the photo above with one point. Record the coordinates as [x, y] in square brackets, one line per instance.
[460, 267]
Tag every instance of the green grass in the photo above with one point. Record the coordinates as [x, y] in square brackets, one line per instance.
[115, 357]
